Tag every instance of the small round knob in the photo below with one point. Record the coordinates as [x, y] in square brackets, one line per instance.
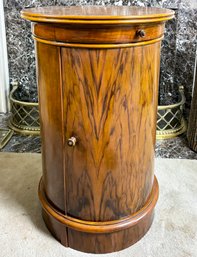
[72, 141]
[141, 33]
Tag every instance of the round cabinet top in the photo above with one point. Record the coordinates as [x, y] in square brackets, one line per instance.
[97, 14]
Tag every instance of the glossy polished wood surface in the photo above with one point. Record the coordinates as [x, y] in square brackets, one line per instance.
[86, 14]
[50, 91]
[192, 124]
[98, 86]
[106, 110]
[88, 34]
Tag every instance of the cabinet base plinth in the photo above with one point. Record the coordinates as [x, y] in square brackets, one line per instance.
[99, 237]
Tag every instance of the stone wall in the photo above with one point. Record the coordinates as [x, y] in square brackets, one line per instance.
[178, 47]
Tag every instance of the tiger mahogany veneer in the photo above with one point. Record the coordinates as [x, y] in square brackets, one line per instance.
[98, 72]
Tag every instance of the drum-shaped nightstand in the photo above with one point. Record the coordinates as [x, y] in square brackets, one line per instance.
[98, 72]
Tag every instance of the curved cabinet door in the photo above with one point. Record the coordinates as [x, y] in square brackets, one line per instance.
[109, 106]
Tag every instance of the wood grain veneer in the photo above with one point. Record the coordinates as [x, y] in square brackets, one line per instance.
[98, 73]
[192, 124]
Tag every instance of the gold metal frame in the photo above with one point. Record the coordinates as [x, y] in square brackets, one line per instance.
[22, 126]
[22, 119]
[5, 136]
[176, 111]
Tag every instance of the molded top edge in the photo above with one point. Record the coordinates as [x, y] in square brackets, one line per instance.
[96, 14]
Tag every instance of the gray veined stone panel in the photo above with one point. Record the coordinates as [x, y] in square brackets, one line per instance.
[177, 62]
[20, 49]
[186, 48]
[74, 2]
[171, 4]
[156, 3]
[168, 92]
[21, 46]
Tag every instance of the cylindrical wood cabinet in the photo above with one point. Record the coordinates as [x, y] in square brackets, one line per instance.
[98, 71]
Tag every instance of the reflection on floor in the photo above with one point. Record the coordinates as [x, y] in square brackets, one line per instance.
[170, 148]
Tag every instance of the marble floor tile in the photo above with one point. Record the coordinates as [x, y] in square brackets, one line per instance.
[174, 148]
[20, 143]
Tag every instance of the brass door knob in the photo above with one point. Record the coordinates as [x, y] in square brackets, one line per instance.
[141, 33]
[72, 141]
